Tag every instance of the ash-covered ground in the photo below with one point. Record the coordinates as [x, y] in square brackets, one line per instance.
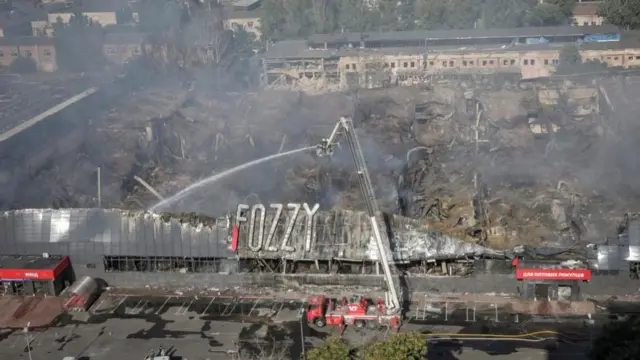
[540, 164]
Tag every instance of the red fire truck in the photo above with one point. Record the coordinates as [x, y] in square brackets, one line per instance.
[358, 311]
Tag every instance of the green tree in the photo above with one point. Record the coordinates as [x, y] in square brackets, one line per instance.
[570, 55]
[282, 19]
[623, 13]
[504, 13]
[570, 62]
[332, 349]
[354, 15]
[618, 341]
[79, 43]
[404, 346]
[23, 65]
[157, 16]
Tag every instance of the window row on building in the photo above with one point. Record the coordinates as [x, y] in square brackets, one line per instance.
[343, 69]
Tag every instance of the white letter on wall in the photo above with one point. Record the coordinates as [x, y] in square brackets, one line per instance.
[292, 221]
[252, 224]
[239, 217]
[274, 226]
[310, 228]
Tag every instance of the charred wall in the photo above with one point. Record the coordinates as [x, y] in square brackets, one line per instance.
[89, 234]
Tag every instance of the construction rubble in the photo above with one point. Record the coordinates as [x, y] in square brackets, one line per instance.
[546, 163]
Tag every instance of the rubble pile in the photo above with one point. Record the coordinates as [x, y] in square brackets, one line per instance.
[542, 164]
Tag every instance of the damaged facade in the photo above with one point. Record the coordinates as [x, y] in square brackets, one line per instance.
[372, 60]
[120, 240]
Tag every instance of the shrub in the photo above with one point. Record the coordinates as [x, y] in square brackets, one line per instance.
[23, 65]
[405, 346]
[332, 349]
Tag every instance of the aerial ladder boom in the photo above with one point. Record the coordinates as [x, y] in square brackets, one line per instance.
[345, 127]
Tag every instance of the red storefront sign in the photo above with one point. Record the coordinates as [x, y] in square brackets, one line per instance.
[553, 274]
[35, 274]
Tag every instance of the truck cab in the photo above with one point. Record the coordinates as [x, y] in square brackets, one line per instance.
[316, 310]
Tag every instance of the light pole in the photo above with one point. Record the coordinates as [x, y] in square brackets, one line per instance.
[26, 338]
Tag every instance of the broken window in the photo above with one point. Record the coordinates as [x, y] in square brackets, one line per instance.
[393, 65]
[533, 62]
[28, 53]
[513, 62]
[450, 63]
[1, 54]
[353, 66]
[505, 62]
[630, 57]
[431, 63]
[464, 63]
[555, 61]
[490, 62]
[413, 64]
[526, 61]
[471, 62]
[546, 61]
[484, 62]
[160, 264]
[250, 24]
[47, 53]
[405, 64]
[386, 65]
[637, 57]
[346, 66]
[615, 58]
[444, 64]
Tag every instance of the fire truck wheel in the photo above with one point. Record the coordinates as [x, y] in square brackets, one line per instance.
[359, 324]
[320, 322]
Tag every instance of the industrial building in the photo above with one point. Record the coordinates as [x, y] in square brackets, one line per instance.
[341, 61]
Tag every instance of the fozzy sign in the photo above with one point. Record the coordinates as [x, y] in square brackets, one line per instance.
[265, 230]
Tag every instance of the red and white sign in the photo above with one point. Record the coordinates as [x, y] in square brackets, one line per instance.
[553, 274]
[34, 274]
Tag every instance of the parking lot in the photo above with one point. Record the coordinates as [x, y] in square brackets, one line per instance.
[128, 327]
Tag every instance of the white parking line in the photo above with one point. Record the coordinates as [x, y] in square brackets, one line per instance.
[133, 310]
[254, 306]
[207, 308]
[96, 306]
[228, 313]
[183, 309]
[163, 304]
[119, 303]
[141, 308]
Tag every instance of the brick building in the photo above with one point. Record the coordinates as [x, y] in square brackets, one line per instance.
[41, 49]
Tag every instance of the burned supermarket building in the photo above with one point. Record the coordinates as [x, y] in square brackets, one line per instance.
[136, 248]
[119, 240]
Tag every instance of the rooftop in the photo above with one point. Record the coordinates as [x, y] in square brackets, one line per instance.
[124, 38]
[9, 262]
[586, 9]
[426, 35]
[26, 41]
[89, 6]
[243, 14]
[293, 49]
[21, 15]
[244, 4]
